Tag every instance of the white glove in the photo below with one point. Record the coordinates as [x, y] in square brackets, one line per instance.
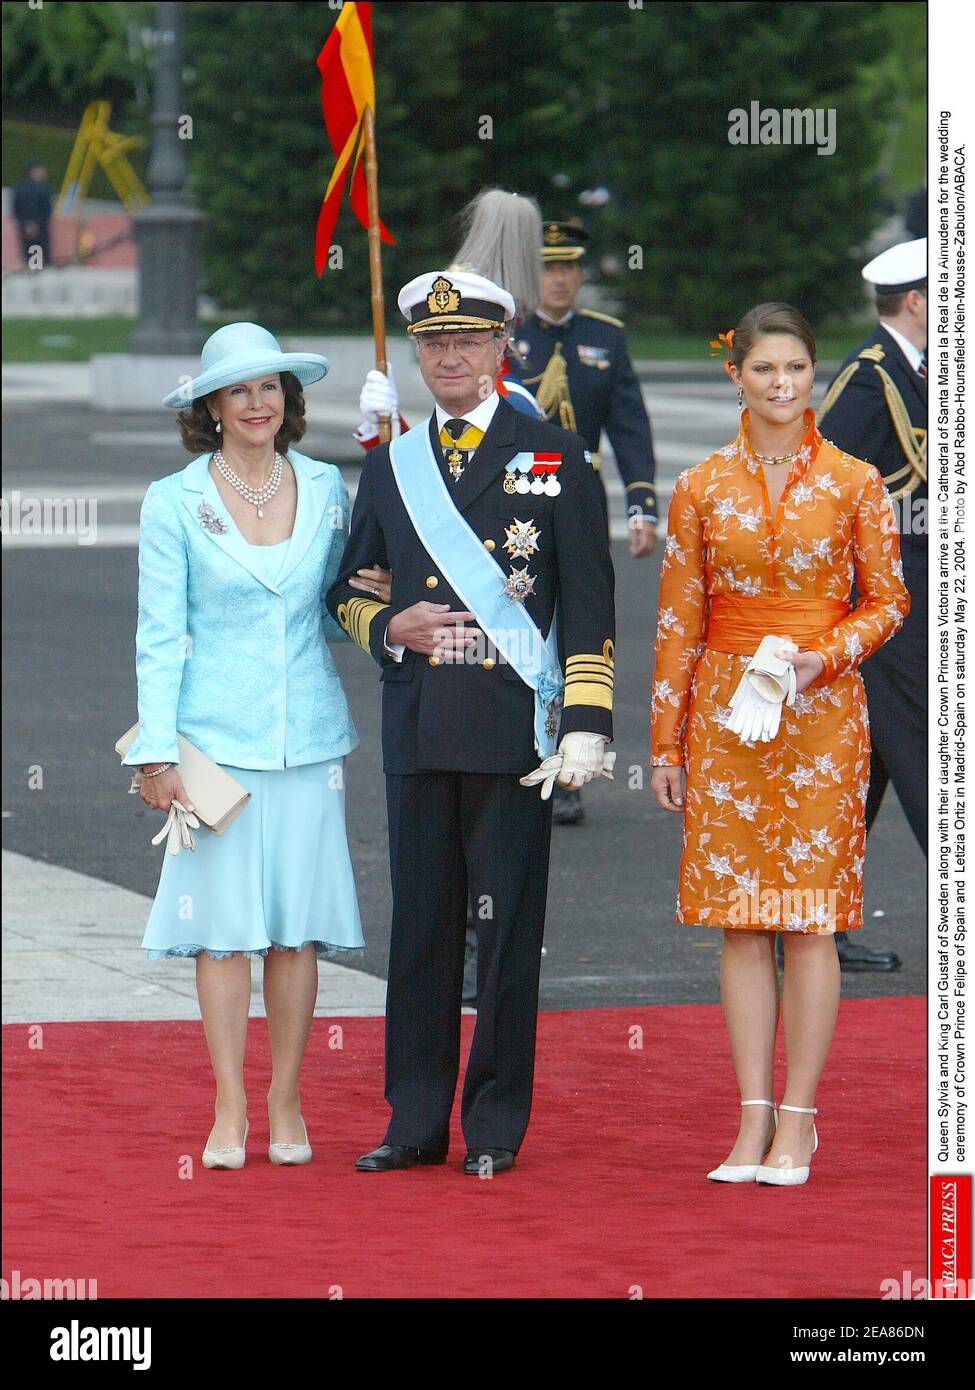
[377, 397]
[179, 827]
[770, 671]
[579, 759]
[752, 717]
[769, 679]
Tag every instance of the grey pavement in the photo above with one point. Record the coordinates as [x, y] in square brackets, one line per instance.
[69, 691]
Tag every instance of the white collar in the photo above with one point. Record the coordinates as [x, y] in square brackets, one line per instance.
[480, 417]
[556, 323]
[912, 353]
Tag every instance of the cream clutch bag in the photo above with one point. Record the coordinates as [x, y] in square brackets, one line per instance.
[217, 799]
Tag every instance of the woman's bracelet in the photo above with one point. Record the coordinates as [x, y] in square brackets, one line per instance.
[165, 768]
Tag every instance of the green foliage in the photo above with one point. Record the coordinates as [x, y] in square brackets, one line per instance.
[572, 96]
[60, 56]
[725, 226]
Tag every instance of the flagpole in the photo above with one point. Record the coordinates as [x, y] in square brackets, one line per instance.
[375, 260]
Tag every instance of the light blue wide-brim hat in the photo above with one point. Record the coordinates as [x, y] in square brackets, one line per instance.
[240, 352]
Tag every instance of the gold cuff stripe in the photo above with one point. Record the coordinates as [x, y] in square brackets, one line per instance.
[356, 617]
[583, 673]
[586, 693]
[601, 658]
[640, 484]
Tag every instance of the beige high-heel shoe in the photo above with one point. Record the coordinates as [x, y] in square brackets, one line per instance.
[291, 1153]
[789, 1177]
[232, 1157]
[742, 1172]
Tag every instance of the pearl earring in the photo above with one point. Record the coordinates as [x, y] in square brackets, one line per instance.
[218, 427]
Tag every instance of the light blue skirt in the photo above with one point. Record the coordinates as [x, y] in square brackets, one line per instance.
[280, 876]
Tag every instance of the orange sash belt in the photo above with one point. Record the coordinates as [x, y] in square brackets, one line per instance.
[738, 622]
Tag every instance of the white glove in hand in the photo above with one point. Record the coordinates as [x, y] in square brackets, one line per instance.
[755, 716]
[179, 827]
[579, 759]
[377, 397]
[771, 672]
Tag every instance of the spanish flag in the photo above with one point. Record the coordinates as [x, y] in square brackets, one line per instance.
[345, 63]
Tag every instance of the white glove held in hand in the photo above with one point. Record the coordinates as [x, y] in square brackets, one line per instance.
[769, 679]
[579, 759]
[377, 397]
[770, 671]
[179, 827]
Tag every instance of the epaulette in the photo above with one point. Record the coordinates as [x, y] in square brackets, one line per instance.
[603, 318]
[875, 353]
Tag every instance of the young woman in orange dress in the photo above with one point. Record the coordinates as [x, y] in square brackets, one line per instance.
[765, 538]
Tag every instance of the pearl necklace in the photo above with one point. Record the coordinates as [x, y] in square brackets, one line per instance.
[254, 495]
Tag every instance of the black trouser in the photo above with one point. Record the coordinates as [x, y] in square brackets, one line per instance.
[895, 679]
[454, 834]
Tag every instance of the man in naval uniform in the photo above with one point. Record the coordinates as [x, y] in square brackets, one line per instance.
[577, 363]
[496, 658]
[877, 409]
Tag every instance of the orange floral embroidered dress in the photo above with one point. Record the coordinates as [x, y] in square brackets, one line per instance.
[773, 832]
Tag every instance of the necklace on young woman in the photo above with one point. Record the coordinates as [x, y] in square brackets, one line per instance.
[257, 496]
[778, 458]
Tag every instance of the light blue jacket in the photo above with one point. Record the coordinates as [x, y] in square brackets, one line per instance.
[238, 665]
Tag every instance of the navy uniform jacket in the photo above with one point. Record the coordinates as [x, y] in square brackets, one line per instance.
[859, 421]
[603, 390]
[478, 716]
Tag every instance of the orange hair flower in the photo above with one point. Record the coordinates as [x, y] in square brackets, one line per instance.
[723, 340]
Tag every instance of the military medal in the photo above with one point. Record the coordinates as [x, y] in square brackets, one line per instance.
[521, 540]
[455, 463]
[514, 473]
[544, 470]
[519, 585]
[534, 473]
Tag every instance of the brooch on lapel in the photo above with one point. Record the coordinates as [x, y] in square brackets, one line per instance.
[209, 519]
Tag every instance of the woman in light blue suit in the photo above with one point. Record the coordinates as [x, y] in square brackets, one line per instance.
[236, 553]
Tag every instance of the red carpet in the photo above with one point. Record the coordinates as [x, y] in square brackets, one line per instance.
[609, 1191]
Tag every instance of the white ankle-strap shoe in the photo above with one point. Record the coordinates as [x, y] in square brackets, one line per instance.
[291, 1153]
[742, 1172]
[788, 1177]
[232, 1157]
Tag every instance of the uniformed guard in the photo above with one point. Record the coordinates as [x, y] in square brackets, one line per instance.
[577, 363]
[496, 655]
[877, 409]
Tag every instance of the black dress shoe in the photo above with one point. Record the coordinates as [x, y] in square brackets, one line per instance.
[856, 958]
[567, 806]
[501, 1161]
[390, 1156]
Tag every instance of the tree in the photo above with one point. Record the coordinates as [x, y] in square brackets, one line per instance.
[723, 226]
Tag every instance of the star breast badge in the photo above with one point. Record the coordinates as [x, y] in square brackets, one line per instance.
[519, 585]
[521, 539]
